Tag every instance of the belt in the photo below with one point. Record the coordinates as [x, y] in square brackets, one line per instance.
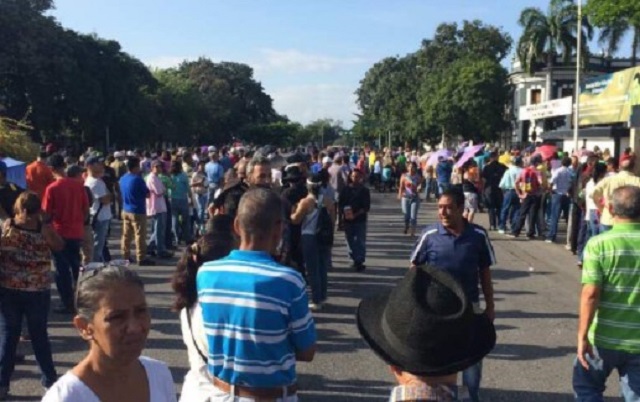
[257, 394]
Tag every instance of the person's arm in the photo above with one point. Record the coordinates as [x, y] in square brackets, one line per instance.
[400, 187]
[306, 355]
[53, 239]
[302, 326]
[487, 291]
[301, 211]
[592, 280]
[598, 194]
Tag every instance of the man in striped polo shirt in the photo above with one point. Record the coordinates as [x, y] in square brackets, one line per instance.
[609, 328]
[255, 311]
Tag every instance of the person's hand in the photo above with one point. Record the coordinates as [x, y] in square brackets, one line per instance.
[491, 312]
[584, 349]
[399, 197]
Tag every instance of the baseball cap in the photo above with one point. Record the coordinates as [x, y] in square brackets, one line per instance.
[118, 154]
[92, 160]
[211, 149]
[326, 159]
[74, 171]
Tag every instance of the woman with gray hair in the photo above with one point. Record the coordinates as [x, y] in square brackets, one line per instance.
[113, 317]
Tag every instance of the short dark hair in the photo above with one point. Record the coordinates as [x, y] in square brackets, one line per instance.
[132, 163]
[566, 161]
[259, 210]
[625, 201]
[456, 194]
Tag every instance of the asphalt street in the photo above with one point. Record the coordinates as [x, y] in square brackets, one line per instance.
[536, 292]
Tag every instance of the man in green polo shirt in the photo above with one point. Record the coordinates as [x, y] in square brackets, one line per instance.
[609, 328]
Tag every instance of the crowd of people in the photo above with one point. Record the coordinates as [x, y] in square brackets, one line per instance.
[257, 230]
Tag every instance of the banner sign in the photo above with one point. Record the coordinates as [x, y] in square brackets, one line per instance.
[608, 98]
[556, 107]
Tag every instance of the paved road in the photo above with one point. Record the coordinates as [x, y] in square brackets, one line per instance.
[536, 290]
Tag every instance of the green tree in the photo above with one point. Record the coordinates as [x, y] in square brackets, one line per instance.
[554, 33]
[616, 18]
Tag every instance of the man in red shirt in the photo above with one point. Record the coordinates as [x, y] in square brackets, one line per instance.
[529, 191]
[66, 205]
[39, 175]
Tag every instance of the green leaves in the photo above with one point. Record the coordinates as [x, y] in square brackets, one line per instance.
[454, 84]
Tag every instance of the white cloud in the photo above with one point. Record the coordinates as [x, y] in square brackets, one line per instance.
[305, 103]
[295, 61]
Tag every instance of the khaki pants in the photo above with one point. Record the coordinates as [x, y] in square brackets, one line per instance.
[134, 225]
[87, 245]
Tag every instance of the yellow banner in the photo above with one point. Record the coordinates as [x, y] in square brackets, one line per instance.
[608, 98]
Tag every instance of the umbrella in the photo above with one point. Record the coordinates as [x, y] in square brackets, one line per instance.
[433, 159]
[469, 152]
[546, 151]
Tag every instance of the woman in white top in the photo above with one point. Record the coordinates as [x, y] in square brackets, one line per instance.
[592, 214]
[113, 318]
[215, 244]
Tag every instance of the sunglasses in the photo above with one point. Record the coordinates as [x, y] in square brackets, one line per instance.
[94, 268]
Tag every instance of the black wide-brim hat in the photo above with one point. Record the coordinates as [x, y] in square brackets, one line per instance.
[403, 327]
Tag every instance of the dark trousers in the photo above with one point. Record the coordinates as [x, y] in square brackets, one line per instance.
[34, 306]
[493, 201]
[67, 264]
[356, 234]
[528, 209]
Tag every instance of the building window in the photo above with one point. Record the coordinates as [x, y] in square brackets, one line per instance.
[566, 91]
[536, 96]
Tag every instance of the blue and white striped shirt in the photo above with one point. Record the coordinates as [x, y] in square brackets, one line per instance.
[256, 316]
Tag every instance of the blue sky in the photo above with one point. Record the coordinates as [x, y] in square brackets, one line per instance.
[309, 55]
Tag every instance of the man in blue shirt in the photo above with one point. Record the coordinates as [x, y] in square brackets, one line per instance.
[134, 194]
[215, 174]
[463, 250]
[255, 311]
[561, 185]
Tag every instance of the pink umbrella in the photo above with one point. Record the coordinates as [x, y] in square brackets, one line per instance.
[546, 151]
[469, 153]
[433, 159]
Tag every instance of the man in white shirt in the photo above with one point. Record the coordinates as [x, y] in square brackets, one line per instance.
[100, 207]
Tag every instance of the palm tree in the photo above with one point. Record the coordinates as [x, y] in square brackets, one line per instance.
[612, 35]
[551, 34]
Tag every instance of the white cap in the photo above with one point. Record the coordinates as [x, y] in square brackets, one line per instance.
[131, 153]
[326, 159]
[118, 154]
[212, 149]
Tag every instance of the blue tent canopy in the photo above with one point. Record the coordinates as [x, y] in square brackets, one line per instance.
[16, 172]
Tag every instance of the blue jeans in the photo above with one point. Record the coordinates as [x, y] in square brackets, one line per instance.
[592, 229]
[99, 239]
[34, 306]
[159, 232]
[442, 186]
[203, 203]
[356, 235]
[588, 385]
[558, 203]
[181, 220]
[471, 378]
[410, 208]
[431, 187]
[315, 261]
[67, 265]
[510, 209]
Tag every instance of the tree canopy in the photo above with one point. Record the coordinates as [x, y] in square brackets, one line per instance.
[453, 85]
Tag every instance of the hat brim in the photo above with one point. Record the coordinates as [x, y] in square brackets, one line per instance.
[369, 318]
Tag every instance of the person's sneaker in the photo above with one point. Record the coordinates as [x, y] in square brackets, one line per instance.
[315, 307]
[360, 267]
[501, 231]
[548, 241]
[146, 263]
[567, 247]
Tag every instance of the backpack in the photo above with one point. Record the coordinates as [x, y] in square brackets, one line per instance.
[324, 226]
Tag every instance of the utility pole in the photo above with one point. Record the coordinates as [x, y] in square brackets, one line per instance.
[107, 138]
[576, 113]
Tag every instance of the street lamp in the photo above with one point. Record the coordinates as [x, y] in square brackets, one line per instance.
[576, 124]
